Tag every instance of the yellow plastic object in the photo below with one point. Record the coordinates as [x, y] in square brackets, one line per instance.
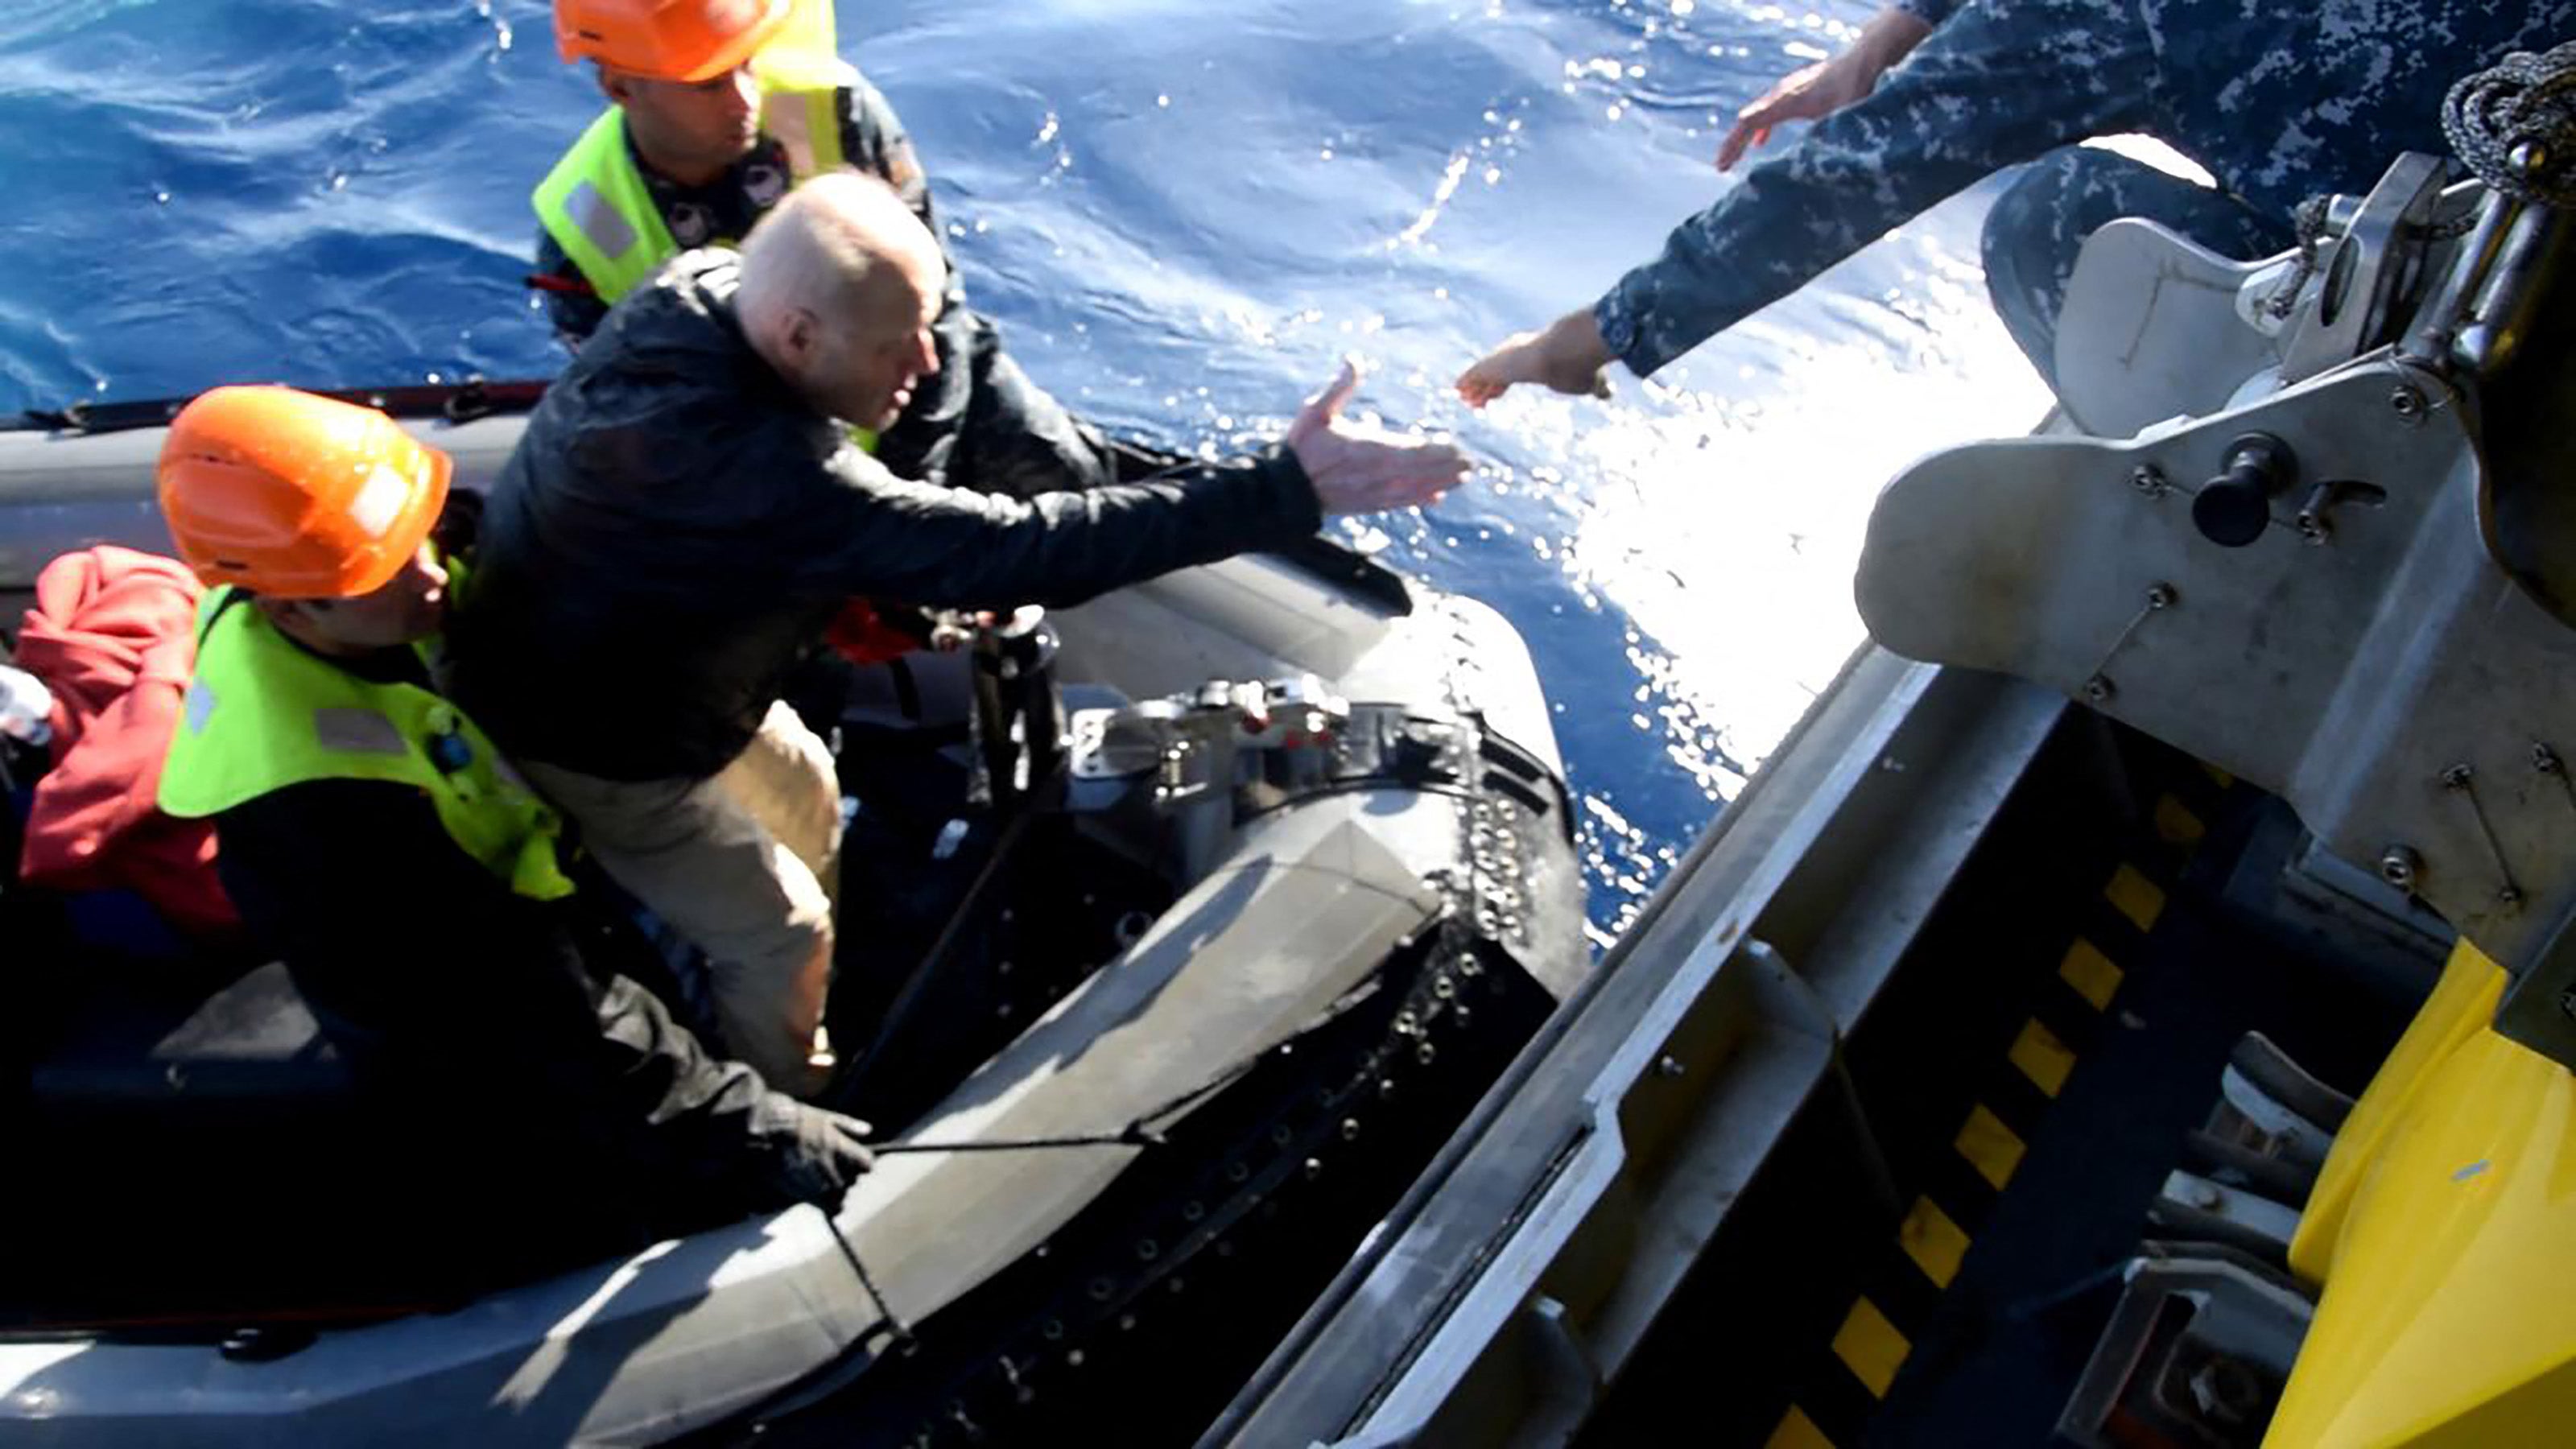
[2444, 1230]
[2462, 1004]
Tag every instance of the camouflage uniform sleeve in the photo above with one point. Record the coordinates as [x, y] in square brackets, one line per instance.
[571, 305]
[2003, 82]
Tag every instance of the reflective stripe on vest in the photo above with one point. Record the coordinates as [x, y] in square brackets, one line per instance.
[594, 203]
[263, 714]
[597, 208]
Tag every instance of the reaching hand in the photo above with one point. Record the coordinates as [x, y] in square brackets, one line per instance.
[1567, 356]
[1814, 92]
[1358, 468]
[1806, 94]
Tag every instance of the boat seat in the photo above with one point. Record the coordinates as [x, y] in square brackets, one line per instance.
[203, 1141]
[252, 1040]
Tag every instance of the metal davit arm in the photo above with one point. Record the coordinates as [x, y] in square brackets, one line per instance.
[2361, 651]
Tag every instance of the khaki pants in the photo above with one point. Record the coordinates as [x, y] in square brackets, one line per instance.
[745, 865]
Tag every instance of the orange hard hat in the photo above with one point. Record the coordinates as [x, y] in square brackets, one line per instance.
[297, 496]
[672, 40]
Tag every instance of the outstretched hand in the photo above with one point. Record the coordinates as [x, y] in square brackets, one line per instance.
[1811, 93]
[1567, 355]
[1362, 468]
[1806, 94]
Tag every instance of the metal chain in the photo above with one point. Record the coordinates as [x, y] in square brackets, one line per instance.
[2514, 124]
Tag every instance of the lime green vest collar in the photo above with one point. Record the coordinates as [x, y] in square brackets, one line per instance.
[263, 714]
[594, 203]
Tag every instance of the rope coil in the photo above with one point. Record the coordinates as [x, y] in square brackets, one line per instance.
[2514, 124]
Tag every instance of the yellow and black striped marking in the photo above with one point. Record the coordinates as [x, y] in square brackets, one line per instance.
[1904, 1286]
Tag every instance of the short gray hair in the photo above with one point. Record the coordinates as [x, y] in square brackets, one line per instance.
[817, 251]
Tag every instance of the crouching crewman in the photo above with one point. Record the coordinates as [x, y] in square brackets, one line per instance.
[416, 888]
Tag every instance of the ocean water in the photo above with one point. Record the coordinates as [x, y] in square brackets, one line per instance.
[1182, 213]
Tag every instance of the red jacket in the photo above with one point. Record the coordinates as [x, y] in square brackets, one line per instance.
[113, 635]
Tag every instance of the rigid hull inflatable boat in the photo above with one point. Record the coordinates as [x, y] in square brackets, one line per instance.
[1274, 871]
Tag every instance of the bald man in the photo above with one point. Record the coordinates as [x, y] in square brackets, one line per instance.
[686, 514]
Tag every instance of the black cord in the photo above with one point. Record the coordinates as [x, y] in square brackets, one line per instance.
[894, 1323]
[1142, 1130]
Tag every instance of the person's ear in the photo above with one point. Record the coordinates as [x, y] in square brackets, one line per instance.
[613, 85]
[802, 338]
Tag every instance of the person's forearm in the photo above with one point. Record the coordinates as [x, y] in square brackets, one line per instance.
[1892, 34]
[1920, 15]
[1862, 172]
[948, 548]
[1790, 220]
[571, 305]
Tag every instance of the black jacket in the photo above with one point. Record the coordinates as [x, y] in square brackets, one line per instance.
[540, 1094]
[979, 422]
[676, 528]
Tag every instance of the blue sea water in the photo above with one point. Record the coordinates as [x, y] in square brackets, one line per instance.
[1182, 213]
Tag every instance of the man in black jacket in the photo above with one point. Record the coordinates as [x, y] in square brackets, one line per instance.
[371, 836]
[687, 512]
[713, 116]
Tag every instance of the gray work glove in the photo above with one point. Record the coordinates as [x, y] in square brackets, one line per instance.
[816, 1156]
